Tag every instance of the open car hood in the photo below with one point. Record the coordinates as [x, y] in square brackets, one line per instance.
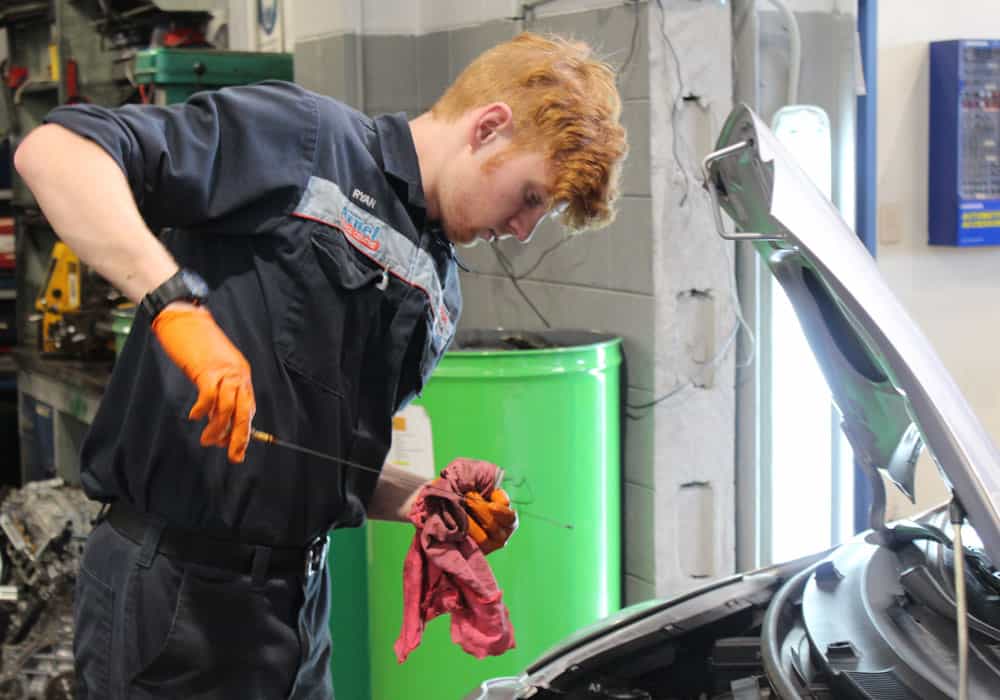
[874, 616]
[892, 391]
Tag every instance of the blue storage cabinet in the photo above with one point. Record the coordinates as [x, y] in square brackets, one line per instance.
[964, 166]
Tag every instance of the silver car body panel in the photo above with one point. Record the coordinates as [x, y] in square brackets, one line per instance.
[892, 390]
[889, 384]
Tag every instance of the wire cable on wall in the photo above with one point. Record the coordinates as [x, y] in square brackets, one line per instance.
[678, 102]
[622, 73]
[690, 382]
[565, 239]
[677, 388]
[508, 269]
[715, 362]
[677, 105]
[731, 268]
[526, 17]
[741, 322]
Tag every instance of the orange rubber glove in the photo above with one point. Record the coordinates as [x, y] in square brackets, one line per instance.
[491, 522]
[196, 344]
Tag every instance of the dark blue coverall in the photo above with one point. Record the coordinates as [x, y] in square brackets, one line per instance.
[308, 221]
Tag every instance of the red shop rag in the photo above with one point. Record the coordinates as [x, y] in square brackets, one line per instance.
[445, 571]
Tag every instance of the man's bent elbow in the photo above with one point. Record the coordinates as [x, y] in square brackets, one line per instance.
[41, 145]
[28, 152]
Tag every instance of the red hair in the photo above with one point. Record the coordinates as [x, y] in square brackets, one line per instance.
[565, 105]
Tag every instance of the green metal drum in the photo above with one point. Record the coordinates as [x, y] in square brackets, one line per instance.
[546, 407]
[349, 663]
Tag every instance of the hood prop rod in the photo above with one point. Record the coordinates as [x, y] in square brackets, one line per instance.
[956, 514]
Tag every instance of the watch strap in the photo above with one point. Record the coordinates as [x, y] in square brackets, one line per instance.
[183, 285]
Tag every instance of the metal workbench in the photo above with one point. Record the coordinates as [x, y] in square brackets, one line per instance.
[57, 401]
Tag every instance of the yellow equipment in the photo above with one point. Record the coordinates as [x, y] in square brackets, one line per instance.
[74, 308]
[60, 293]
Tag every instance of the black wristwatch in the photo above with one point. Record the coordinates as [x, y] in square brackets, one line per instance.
[183, 285]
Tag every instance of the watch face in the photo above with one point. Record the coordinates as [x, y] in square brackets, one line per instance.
[194, 283]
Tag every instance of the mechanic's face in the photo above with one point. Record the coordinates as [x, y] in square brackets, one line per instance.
[490, 199]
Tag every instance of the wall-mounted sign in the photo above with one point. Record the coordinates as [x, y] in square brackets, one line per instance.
[270, 29]
[267, 15]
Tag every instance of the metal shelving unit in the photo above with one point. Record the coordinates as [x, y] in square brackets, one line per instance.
[57, 399]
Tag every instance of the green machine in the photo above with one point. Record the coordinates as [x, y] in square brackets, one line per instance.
[548, 412]
[179, 73]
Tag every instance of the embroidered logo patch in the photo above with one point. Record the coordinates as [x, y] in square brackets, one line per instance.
[362, 231]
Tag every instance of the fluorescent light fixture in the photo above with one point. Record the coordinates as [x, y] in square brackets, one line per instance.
[801, 405]
[805, 132]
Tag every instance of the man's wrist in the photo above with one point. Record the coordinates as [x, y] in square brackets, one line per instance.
[395, 493]
[407, 505]
[179, 306]
[184, 286]
[150, 277]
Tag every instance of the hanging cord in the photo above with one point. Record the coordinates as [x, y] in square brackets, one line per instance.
[551, 248]
[741, 321]
[957, 514]
[678, 102]
[509, 271]
[751, 338]
[690, 382]
[741, 324]
[677, 388]
[526, 17]
[622, 73]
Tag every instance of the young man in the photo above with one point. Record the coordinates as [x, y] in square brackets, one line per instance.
[301, 279]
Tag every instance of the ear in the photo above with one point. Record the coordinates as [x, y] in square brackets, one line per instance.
[492, 121]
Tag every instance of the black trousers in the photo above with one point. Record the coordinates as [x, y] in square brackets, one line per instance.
[146, 626]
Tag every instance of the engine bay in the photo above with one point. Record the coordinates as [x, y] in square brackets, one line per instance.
[873, 618]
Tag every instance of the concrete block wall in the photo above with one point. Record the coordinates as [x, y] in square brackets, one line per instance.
[600, 280]
[692, 499]
[633, 279]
